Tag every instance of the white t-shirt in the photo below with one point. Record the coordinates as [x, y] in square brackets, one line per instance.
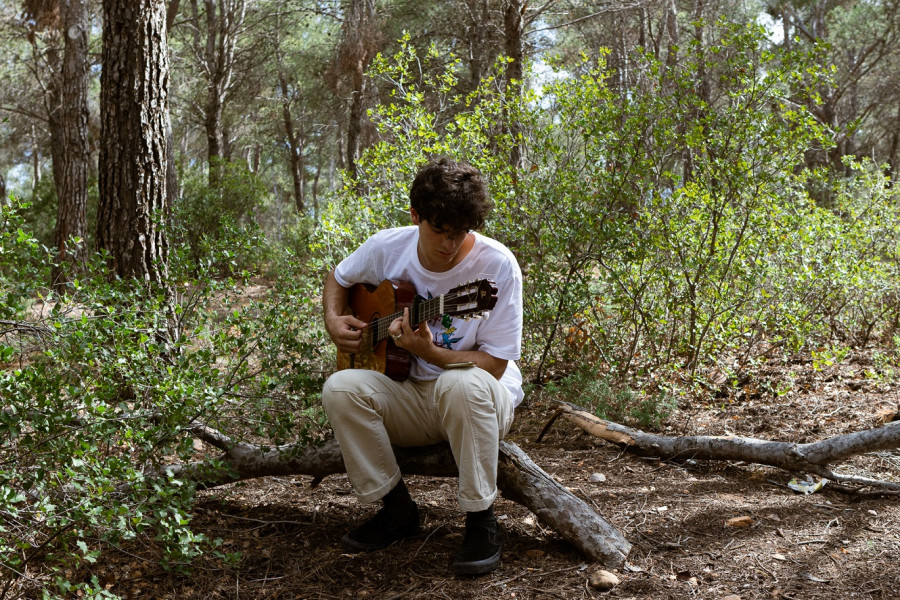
[392, 254]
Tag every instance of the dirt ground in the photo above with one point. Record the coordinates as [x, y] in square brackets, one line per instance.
[282, 536]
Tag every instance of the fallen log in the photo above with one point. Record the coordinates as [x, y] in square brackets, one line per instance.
[813, 457]
[518, 479]
[522, 481]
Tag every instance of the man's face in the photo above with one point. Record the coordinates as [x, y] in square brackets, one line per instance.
[439, 248]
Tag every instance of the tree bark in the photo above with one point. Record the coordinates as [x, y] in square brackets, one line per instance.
[894, 147]
[672, 34]
[35, 161]
[224, 20]
[477, 37]
[294, 132]
[171, 169]
[296, 145]
[68, 121]
[518, 479]
[172, 14]
[814, 457]
[358, 46]
[134, 115]
[513, 28]
[522, 481]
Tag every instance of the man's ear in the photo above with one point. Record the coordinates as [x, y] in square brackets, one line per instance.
[413, 215]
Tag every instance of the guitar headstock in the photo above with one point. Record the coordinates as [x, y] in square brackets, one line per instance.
[471, 299]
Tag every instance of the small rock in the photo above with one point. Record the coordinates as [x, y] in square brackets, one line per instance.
[603, 580]
[732, 597]
[597, 478]
[739, 522]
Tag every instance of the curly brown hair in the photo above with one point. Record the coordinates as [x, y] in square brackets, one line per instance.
[450, 195]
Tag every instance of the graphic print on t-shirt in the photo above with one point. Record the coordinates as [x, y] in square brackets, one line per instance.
[443, 338]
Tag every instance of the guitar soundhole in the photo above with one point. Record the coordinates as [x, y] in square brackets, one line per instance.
[372, 330]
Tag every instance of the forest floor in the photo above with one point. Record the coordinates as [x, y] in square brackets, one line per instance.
[280, 536]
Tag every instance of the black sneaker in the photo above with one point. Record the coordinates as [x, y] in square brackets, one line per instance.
[480, 552]
[382, 530]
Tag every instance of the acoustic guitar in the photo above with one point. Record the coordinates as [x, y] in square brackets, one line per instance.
[380, 305]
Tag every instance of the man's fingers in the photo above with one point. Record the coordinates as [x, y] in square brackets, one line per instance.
[353, 322]
[396, 327]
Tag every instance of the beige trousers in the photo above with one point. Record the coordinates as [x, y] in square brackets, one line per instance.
[466, 407]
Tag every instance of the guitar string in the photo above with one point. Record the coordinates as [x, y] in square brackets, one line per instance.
[379, 332]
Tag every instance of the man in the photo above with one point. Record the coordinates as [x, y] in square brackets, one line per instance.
[471, 407]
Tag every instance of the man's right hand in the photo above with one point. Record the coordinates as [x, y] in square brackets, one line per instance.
[345, 331]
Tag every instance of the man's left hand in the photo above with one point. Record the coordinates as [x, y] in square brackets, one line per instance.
[417, 341]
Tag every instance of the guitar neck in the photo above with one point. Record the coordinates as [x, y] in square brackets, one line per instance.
[422, 310]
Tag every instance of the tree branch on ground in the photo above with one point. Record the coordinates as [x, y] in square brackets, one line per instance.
[813, 457]
[519, 479]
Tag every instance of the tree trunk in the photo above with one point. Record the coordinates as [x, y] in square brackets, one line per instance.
[518, 479]
[894, 147]
[359, 43]
[134, 116]
[295, 140]
[479, 27]
[811, 458]
[215, 97]
[672, 34]
[354, 126]
[315, 183]
[171, 170]
[35, 161]
[172, 14]
[786, 29]
[522, 481]
[68, 134]
[224, 21]
[513, 28]
[642, 28]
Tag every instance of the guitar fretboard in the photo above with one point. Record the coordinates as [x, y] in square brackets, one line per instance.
[422, 310]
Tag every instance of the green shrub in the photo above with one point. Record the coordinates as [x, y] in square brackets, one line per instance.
[101, 386]
[215, 225]
[595, 393]
[656, 212]
[22, 260]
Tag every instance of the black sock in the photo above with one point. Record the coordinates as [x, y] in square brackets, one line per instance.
[398, 499]
[481, 516]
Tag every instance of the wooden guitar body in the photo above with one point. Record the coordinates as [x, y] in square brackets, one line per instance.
[379, 306]
[369, 303]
